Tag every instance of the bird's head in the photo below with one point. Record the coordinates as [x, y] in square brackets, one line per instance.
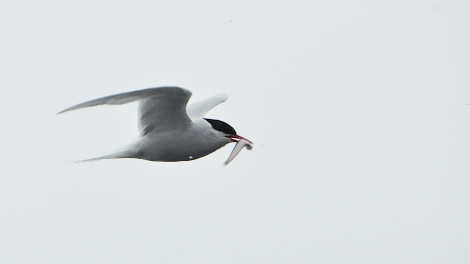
[227, 130]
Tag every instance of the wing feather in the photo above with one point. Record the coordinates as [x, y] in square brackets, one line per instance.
[200, 109]
[161, 108]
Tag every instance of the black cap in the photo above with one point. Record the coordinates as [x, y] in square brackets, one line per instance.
[221, 126]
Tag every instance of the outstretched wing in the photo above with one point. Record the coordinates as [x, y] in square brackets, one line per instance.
[160, 109]
[200, 109]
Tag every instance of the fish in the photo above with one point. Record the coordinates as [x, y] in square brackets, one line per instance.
[238, 148]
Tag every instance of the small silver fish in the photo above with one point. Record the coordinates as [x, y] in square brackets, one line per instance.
[238, 147]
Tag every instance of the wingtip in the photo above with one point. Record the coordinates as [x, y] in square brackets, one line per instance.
[223, 96]
[75, 107]
[63, 111]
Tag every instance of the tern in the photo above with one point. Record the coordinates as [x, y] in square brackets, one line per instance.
[171, 130]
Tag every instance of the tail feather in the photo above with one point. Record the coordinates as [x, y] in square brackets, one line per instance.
[118, 155]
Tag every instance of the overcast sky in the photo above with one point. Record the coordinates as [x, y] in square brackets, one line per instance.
[359, 111]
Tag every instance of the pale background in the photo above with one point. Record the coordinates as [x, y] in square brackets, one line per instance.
[359, 111]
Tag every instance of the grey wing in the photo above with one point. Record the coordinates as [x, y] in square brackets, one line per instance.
[164, 110]
[200, 109]
[161, 108]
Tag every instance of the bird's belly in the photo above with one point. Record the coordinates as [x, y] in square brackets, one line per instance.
[171, 148]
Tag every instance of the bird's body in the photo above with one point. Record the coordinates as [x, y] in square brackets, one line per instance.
[192, 143]
[169, 129]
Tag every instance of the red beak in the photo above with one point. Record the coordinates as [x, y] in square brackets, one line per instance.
[236, 138]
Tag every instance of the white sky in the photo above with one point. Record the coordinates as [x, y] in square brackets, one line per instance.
[359, 110]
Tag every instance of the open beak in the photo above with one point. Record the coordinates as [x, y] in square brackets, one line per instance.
[236, 138]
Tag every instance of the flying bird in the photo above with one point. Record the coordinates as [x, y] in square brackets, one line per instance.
[171, 130]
